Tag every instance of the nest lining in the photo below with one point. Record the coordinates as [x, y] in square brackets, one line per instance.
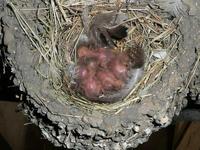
[63, 27]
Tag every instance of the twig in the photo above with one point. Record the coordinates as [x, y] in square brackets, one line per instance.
[193, 71]
[63, 12]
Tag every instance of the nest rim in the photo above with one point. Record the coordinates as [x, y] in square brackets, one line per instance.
[151, 30]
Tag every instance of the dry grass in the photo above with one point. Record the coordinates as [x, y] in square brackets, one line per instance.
[63, 27]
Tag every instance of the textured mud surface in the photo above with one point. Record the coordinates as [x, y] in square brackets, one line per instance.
[69, 126]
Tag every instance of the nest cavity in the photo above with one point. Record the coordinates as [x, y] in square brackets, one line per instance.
[61, 26]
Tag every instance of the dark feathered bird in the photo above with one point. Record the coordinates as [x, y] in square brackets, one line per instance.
[105, 28]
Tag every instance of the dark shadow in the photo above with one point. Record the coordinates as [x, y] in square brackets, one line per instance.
[161, 140]
[3, 144]
[8, 91]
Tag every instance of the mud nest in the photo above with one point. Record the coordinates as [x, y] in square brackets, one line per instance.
[45, 37]
[63, 28]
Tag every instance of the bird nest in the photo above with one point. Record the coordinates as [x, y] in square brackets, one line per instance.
[62, 28]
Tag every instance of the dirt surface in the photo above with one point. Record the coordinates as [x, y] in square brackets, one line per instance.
[69, 126]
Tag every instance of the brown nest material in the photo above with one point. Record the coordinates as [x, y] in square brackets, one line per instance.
[54, 30]
[63, 28]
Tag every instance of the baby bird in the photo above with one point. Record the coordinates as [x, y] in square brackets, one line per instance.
[104, 75]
